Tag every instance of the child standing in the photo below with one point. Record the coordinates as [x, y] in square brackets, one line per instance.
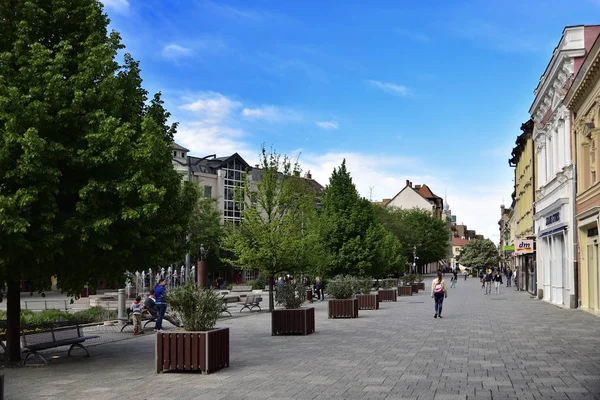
[136, 308]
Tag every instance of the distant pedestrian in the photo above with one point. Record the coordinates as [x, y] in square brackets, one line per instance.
[161, 304]
[439, 291]
[465, 273]
[487, 280]
[508, 277]
[497, 281]
[136, 308]
[454, 279]
[318, 288]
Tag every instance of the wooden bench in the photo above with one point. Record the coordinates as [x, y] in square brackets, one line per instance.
[34, 342]
[251, 302]
[42, 305]
[241, 288]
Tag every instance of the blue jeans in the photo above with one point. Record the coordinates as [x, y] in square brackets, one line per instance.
[439, 300]
[161, 309]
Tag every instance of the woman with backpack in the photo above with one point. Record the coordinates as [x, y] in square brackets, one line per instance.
[439, 291]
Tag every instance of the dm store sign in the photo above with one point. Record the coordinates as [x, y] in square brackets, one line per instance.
[524, 247]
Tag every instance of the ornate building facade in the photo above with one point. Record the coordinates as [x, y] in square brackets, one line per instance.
[583, 100]
[554, 230]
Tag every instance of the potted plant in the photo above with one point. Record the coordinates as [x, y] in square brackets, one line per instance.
[419, 279]
[342, 305]
[200, 347]
[410, 280]
[292, 319]
[366, 300]
[404, 286]
[387, 292]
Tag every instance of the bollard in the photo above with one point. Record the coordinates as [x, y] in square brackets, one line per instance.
[121, 309]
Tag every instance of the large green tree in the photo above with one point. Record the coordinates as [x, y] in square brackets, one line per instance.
[205, 227]
[272, 236]
[350, 232]
[87, 188]
[479, 253]
[417, 229]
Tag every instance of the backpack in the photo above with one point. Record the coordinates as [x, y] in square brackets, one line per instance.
[438, 288]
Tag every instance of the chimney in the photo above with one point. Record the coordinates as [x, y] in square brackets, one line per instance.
[308, 175]
[417, 187]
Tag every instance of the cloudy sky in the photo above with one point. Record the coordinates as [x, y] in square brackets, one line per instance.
[401, 90]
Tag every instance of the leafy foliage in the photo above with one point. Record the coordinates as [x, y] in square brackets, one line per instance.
[198, 308]
[49, 318]
[205, 227]
[292, 295]
[87, 186]
[479, 253]
[388, 283]
[363, 285]
[271, 236]
[420, 228]
[341, 287]
[348, 228]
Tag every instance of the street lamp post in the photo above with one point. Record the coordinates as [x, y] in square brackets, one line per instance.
[415, 259]
[202, 267]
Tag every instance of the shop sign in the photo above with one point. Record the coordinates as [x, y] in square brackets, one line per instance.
[509, 248]
[551, 219]
[524, 247]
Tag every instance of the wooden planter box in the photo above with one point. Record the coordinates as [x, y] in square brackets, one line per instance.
[404, 291]
[309, 295]
[343, 308]
[421, 285]
[388, 295]
[368, 301]
[298, 321]
[192, 351]
[415, 288]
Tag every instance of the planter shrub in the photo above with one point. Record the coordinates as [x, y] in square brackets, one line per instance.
[415, 287]
[293, 320]
[388, 294]
[201, 347]
[404, 291]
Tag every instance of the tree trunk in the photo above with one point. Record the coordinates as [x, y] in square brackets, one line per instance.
[271, 302]
[13, 317]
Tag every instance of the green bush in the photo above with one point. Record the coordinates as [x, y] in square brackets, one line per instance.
[94, 314]
[419, 278]
[341, 287]
[388, 283]
[291, 295]
[199, 308]
[251, 283]
[364, 285]
[261, 282]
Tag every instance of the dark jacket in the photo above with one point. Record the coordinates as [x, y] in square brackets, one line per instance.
[159, 294]
[488, 278]
[150, 305]
[497, 278]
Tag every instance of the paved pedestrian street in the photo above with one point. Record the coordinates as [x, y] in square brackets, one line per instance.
[505, 346]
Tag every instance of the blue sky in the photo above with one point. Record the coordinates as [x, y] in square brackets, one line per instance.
[434, 94]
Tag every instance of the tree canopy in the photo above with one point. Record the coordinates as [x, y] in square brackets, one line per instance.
[479, 253]
[87, 187]
[271, 235]
[417, 228]
[350, 232]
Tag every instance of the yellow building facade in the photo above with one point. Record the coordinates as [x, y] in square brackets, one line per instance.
[523, 160]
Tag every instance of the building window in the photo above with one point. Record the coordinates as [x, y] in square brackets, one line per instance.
[174, 154]
[207, 191]
[182, 154]
[234, 180]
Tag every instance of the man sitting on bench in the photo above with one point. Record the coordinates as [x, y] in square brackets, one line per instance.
[150, 308]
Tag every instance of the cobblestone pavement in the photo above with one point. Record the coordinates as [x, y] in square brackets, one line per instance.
[505, 346]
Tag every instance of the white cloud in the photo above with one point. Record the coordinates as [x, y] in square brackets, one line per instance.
[328, 125]
[271, 114]
[120, 6]
[390, 87]
[211, 107]
[174, 50]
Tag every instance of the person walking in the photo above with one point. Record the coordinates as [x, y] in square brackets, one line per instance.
[161, 304]
[487, 279]
[508, 277]
[439, 291]
[465, 273]
[497, 281]
[454, 279]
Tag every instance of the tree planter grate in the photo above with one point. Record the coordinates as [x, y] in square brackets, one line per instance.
[192, 351]
[299, 321]
[343, 308]
[368, 301]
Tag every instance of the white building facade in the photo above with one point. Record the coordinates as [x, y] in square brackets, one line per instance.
[554, 205]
